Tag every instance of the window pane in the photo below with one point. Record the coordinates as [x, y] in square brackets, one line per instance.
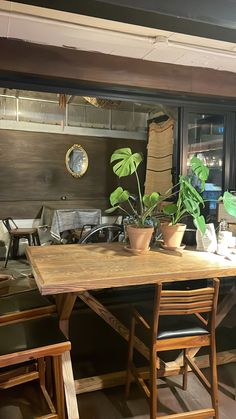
[205, 140]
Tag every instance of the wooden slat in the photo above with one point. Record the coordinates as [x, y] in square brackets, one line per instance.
[186, 298]
[195, 305]
[56, 349]
[185, 293]
[20, 379]
[181, 343]
[89, 384]
[185, 311]
[195, 414]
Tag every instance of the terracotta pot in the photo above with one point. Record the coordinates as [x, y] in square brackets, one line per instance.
[173, 234]
[139, 237]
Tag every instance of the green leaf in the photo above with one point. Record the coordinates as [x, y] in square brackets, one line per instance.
[192, 207]
[118, 196]
[127, 162]
[229, 202]
[200, 224]
[170, 209]
[200, 170]
[190, 192]
[112, 209]
[151, 200]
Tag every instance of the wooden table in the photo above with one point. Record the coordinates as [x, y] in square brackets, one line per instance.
[70, 271]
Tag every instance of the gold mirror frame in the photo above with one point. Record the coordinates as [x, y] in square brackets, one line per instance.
[79, 165]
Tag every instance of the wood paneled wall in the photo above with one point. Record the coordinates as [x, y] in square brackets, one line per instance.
[33, 172]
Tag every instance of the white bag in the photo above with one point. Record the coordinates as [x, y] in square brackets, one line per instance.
[208, 241]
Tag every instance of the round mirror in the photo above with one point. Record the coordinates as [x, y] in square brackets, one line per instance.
[76, 160]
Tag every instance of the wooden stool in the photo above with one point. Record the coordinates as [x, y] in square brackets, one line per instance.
[180, 319]
[31, 234]
[34, 340]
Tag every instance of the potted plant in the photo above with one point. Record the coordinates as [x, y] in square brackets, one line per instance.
[144, 216]
[141, 215]
[188, 202]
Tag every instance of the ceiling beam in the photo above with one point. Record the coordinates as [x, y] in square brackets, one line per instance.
[68, 69]
[213, 19]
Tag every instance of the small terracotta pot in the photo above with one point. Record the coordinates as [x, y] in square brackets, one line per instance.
[173, 234]
[139, 237]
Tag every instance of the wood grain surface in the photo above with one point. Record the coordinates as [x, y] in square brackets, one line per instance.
[74, 268]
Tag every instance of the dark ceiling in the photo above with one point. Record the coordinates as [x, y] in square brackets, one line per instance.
[206, 18]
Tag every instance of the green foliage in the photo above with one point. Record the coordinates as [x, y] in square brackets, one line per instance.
[127, 164]
[189, 200]
[229, 202]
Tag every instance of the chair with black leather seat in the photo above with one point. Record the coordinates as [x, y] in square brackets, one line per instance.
[24, 305]
[31, 234]
[103, 233]
[180, 319]
[31, 341]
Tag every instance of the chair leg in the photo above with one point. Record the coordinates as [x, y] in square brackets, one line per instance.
[185, 372]
[15, 247]
[214, 381]
[59, 387]
[8, 252]
[37, 240]
[153, 383]
[130, 357]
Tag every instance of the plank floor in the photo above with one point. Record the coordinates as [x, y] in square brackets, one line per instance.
[23, 402]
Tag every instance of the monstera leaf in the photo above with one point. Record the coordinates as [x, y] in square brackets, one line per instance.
[128, 162]
[229, 202]
[200, 170]
[151, 200]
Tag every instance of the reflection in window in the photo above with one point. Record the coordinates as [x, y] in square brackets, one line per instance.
[205, 140]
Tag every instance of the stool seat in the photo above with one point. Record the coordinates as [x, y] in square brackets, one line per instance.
[14, 306]
[22, 231]
[30, 334]
[175, 326]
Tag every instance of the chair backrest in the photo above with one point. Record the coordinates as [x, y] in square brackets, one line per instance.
[195, 301]
[9, 223]
[103, 233]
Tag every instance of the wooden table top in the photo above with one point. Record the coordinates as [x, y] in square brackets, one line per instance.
[73, 268]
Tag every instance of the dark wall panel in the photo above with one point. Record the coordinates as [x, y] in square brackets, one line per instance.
[33, 172]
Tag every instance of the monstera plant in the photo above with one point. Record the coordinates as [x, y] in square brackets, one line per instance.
[126, 164]
[144, 213]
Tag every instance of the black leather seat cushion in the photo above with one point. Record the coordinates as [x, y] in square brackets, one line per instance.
[30, 334]
[22, 301]
[180, 326]
[174, 326]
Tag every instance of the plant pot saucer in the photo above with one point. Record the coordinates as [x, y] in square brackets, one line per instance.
[137, 251]
[172, 248]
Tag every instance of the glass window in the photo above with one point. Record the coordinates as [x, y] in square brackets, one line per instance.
[205, 140]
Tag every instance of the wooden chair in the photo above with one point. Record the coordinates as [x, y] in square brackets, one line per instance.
[34, 340]
[180, 319]
[31, 234]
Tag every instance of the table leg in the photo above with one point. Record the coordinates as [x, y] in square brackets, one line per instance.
[69, 385]
[65, 304]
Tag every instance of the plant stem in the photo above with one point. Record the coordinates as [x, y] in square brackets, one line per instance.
[139, 192]
[134, 211]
